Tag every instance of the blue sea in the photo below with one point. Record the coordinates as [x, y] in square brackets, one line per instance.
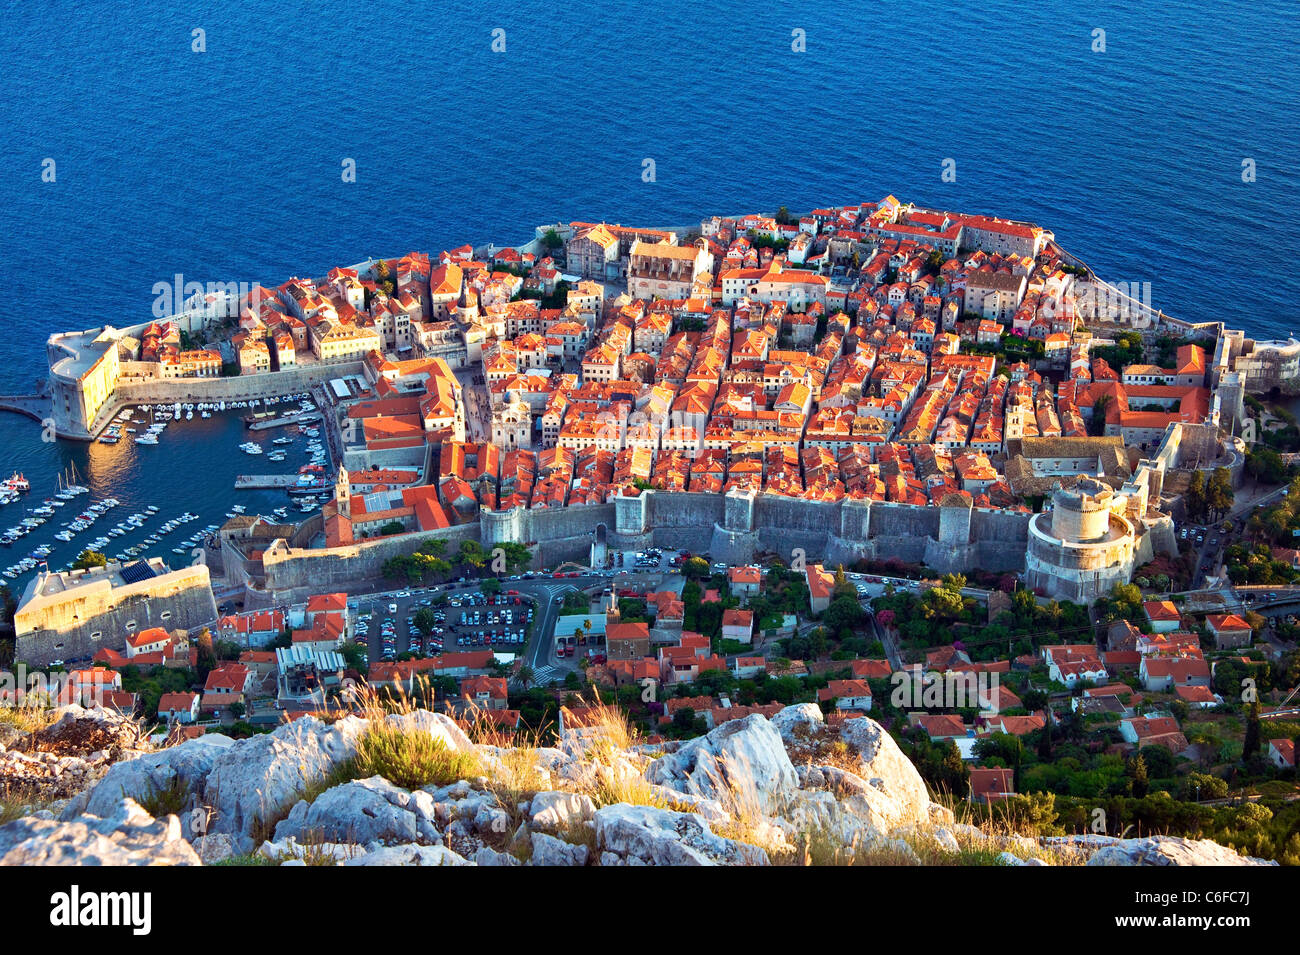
[226, 165]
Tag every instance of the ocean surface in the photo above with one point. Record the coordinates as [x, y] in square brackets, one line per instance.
[226, 165]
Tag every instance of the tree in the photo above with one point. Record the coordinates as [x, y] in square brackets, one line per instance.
[1265, 464]
[1219, 494]
[525, 677]
[843, 615]
[1141, 785]
[384, 278]
[207, 657]
[425, 620]
[88, 559]
[1194, 497]
[684, 719]
[471, 552]
[696, 568]
[1097, 423]
[1045, 743]
[1250, 745]
[842, 587]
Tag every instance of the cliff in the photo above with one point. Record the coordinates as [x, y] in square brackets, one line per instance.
[412, 788]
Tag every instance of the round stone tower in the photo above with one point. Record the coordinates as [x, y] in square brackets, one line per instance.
[1082, 513]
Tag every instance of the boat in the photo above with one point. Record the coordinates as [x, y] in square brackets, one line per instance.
[256, 416]
[17, 482]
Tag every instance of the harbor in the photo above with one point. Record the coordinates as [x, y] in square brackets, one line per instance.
[159, 482]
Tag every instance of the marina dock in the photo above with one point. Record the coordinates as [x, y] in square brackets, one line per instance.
[306, 418]
[265, 482]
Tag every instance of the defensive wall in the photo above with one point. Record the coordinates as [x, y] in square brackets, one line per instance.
[733, 528]
[291, 574]
[76, 621]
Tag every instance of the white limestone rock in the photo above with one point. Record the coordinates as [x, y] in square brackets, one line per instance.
[410, 855]
[364, 811]
[741, 760]
[261, 777]
[127, 836]
[552, 811]
[645, 835]
[548, 850]
[187, 765]
[1170, 850]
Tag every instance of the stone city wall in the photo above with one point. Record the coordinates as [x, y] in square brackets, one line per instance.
[686, 520]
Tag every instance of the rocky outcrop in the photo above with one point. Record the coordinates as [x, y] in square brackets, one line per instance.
[65, 758]
[254, 783]
[751, 792]
[645, 835]
[180, 769]
[364, 811]
[548, 850]
[552, 811]
[741, 760]
[127, 836]
[1170, 850]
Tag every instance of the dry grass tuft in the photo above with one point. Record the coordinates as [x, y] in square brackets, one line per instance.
[411, 760]
[30, 716]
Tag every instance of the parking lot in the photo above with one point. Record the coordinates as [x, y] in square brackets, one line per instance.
[469, 620]
[647, 561]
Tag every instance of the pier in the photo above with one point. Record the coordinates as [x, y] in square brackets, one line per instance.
[37, 407]
[265, 482]
[308, 417]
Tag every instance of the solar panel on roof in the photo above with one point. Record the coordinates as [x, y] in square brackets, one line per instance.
[137, 571]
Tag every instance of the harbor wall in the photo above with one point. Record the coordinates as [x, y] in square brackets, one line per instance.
[152, 390]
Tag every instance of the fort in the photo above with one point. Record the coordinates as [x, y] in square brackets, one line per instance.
[72, 615]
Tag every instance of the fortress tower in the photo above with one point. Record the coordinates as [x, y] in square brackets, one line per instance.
[1084, 546]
